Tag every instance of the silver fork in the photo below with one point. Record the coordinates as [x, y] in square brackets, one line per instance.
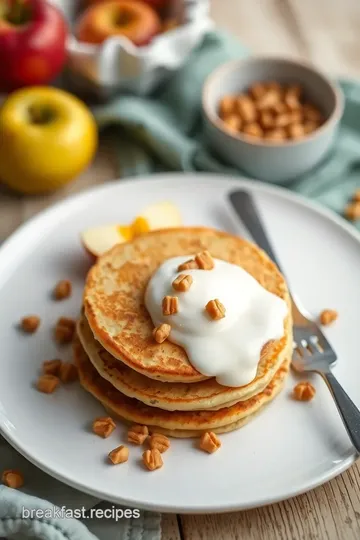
[312, 351]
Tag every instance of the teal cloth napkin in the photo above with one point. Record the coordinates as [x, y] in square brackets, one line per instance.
[12, 520]
[164, 131]
[17, 524]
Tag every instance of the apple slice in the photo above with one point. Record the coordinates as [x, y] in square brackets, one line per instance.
[98, 240]
[161, 215]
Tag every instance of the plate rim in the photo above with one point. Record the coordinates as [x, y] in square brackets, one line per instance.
[253, 186]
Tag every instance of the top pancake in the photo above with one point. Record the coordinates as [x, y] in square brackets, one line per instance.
[115, 287]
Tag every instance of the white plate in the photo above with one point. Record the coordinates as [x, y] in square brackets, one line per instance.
[290, 448]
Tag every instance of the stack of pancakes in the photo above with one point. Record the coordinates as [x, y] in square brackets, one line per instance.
[145, 382]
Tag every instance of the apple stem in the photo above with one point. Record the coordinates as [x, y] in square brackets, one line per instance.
[18, 12]
[41, 115]
[123, 17]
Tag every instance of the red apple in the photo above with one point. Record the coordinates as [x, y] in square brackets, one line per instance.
[155, 4]
[32, 43]
[129, 18]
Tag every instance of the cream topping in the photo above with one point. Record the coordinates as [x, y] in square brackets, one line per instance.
[229, 348]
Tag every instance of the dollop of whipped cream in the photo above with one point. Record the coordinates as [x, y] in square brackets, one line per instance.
[229, 348]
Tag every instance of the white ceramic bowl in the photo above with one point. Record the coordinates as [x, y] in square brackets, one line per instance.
[268, 160]
[118, 65]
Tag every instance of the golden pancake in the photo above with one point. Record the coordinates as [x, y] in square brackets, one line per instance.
[133, 410]
[171, 396]
[114, 299]
[193, 433]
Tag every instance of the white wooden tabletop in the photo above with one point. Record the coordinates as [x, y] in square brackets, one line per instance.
[327, 32]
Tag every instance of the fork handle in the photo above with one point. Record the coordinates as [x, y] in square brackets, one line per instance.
[349, 413]
[244, 205]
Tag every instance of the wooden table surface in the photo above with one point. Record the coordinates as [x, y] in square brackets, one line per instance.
[326, 32]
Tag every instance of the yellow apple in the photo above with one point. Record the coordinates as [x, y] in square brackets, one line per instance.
[47, 136]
